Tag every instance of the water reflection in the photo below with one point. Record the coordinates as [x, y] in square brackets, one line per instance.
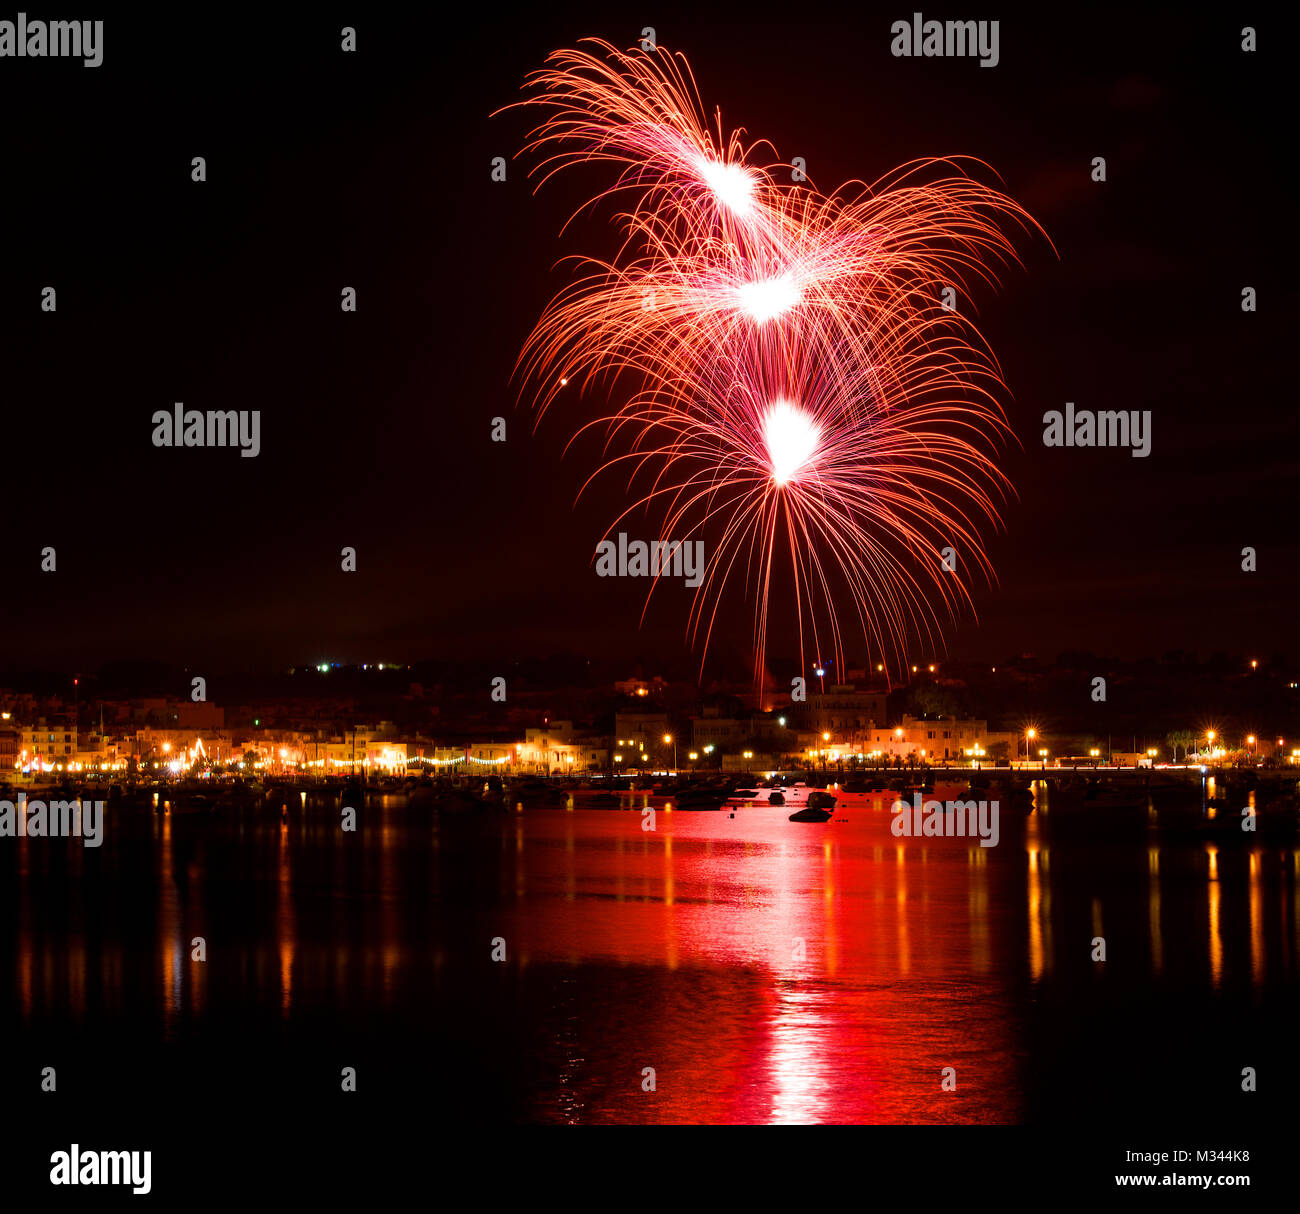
[285, 927]
[1153, 908]
[800, 1074]
[765, 971]
[1214, 893]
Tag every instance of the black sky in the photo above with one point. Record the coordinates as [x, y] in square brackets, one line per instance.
[328, 170]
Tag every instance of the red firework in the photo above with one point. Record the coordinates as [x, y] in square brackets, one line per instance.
[793, 380]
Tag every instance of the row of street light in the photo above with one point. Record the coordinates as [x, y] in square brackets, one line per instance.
[1210, 735]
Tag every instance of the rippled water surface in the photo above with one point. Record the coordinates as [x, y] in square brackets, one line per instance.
[763, 970]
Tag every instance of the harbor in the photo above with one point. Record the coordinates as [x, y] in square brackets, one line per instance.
[1223, 804]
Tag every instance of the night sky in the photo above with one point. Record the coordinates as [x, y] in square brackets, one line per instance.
[372, 170]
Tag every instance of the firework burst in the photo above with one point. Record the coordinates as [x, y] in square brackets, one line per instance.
[793, 388]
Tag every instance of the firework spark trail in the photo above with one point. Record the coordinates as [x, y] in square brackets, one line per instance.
[643, 112]
[862, 499]
[791, 378]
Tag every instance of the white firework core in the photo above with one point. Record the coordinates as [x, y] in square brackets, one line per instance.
[731, 184]
[791, 436]
[767, 298]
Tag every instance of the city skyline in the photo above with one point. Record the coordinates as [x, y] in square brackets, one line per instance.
[1077, 703]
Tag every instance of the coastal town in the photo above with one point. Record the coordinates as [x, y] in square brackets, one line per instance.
[380, 722]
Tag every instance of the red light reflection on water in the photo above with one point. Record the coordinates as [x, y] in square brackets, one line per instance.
[793, 973]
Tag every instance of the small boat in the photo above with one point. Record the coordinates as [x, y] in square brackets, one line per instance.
[811, 815]
[536, 794]
[699, 798]
[454, 800]
[819, 808]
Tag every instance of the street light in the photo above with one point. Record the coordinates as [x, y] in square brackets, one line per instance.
[668, 740]
[1030, 734]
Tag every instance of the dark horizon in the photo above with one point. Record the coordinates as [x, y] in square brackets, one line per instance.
[681, 668]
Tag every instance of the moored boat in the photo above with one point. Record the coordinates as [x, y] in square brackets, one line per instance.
[819, 808]
[699, 799]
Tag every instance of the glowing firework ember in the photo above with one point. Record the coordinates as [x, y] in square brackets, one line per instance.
[732, 184]
[767, 298]
[790, 437]
[791, 379]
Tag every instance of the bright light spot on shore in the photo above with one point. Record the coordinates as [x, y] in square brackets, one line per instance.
[791, 438]
[731, 184]
[768, 298]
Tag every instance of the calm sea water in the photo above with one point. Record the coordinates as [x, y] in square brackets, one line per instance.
[767, 971]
